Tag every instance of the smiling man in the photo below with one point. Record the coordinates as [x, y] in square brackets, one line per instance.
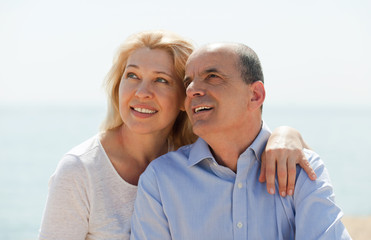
[210, 189]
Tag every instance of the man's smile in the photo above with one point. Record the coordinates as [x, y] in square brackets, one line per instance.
[201, 108]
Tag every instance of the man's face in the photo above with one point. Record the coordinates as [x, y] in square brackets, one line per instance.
[217, 97]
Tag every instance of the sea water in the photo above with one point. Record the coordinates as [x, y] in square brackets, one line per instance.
[33, 138]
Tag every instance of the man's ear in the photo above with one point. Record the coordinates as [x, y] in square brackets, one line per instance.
[258, 95]
[182, 106]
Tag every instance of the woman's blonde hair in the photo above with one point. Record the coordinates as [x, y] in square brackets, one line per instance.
[179, 49]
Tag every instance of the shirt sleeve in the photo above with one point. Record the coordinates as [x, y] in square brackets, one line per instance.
[66, 214]
[317, 215]
[149, 220]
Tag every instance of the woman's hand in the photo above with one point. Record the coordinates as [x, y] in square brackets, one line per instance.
[283, 152]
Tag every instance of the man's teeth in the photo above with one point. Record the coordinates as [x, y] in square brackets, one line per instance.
[202, 108]
[144, 110]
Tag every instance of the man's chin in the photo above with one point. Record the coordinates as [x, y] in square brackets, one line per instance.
[202, 129]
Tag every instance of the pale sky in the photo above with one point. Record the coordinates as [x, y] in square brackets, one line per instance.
[317, 52]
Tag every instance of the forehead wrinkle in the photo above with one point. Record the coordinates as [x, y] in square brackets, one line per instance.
[132, 65]
[212, 70]
[156, 72]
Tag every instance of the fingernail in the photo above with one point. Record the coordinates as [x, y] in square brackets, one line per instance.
[290, 192]
[314, 176]
[283, 194]
[271, 191]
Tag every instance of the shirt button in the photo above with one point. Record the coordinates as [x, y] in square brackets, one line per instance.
[239, 185]
[239, 225]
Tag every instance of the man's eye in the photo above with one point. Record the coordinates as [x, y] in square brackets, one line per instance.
[186, 82]
[212, 76]
[161, 80]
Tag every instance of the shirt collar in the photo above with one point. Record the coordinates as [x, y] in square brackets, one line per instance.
[260, 141]
[200, 149]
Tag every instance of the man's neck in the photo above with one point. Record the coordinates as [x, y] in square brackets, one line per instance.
[227, 148]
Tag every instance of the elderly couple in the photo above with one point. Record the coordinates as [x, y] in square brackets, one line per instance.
[207, 181]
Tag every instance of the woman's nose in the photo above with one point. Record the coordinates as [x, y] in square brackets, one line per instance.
[144, 90]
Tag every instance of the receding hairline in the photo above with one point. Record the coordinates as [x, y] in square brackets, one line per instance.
[246, 59]
[221, 48]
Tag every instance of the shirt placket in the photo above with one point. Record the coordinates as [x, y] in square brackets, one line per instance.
[239, 207]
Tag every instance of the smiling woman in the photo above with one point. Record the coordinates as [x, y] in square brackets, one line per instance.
[174, 51]
[150, 95]
[92, 192]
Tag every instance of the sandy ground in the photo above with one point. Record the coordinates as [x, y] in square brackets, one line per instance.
[359, 228]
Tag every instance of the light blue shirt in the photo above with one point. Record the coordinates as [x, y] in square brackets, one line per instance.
[187, 195]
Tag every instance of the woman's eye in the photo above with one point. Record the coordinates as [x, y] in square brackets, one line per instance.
[131, 75]
[161, 80]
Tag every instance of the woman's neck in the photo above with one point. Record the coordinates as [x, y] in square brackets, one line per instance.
[142, 147]
[130, 153]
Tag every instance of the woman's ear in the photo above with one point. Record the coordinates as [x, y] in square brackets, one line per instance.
[258, 94]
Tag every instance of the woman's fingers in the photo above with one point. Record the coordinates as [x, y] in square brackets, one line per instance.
[270, 171]
[291, 172]
[283, 162]
[262, 169]
[282, 175]
[303, 162]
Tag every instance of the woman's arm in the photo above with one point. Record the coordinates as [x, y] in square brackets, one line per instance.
[283, 151]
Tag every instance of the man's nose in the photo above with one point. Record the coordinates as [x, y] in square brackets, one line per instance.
[195, 88]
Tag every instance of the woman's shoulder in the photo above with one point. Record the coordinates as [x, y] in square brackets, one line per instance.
[78, 158]
[85, 147]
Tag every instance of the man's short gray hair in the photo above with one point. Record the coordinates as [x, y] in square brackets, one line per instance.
[249, 64]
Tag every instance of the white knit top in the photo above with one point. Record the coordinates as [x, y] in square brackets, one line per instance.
[87, 198]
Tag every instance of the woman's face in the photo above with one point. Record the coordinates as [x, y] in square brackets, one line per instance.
[150, 96]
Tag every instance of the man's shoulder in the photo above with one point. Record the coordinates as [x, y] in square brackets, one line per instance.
[173, 158]
[318, 166]
[313, 158]
[166, 167]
